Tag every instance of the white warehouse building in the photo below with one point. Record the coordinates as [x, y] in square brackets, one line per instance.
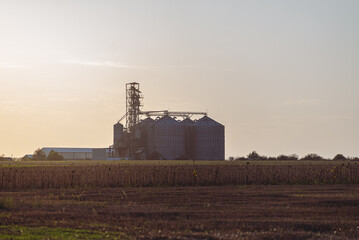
[81, 153]
[71, 153]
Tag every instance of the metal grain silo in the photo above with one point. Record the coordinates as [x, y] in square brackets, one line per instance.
[208, 139]
[169, 138]
[146, 141]
[117, 134]
[189, 141]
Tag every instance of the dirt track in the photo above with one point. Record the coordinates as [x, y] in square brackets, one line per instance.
[226, 212]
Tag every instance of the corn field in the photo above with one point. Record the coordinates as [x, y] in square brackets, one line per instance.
[102, 175]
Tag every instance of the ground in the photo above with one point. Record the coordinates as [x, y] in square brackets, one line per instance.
[194, 212]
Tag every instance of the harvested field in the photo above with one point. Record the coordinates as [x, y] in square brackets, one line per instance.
[133, 175]
[214, 212]
[165, 200]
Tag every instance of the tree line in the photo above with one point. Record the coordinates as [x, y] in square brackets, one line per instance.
[254, 156]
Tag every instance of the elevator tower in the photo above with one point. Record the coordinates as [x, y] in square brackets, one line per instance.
[133, 105]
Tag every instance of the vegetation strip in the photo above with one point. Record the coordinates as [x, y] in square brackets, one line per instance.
[21, 232]
[118, 175]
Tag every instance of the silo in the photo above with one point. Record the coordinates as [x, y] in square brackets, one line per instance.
[208, 139]
[117, 134]
[189, 138]
[169, 138]
[146, 134]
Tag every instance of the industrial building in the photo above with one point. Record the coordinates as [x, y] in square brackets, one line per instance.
[156, 135]
[80, 153]
[71, 153]
[165, 134]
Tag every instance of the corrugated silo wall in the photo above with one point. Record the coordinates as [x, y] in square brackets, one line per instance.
[150, 140]
[117, 134]
[189, 141]
[208, 142]
[147, 135]
[169, 138]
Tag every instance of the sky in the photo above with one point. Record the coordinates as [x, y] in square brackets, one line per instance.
[281, 75]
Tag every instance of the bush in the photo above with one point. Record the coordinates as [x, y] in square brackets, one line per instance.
[253, 156]
[39, 155]
[26, 158]
[292, 157]
[2, 158]
[340, 157]
[312, 157]
[54, 156]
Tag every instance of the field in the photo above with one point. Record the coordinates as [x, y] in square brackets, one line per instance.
[179, 200]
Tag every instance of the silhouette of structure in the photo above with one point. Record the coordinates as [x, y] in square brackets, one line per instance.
[165, 137]
[133, 105]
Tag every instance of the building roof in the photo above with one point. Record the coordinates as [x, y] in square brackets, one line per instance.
[47, 150]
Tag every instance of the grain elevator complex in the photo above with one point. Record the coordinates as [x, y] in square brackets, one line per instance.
[155, 135]
[165, 134]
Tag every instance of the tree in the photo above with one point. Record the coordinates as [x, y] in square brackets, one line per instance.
[39, 155]
[292, 157]
[253, 156]
[340, 157]
[312, 157]
[54, 156]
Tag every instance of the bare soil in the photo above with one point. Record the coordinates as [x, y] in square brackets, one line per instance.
[218, 212]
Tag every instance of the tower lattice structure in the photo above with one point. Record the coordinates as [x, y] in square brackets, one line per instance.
[133, 105]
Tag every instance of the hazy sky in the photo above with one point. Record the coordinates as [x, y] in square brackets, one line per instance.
[282, 76]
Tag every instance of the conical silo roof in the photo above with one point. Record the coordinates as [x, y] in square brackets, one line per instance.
[147, 121]
[166, 120]
[187, 122]
[207, 121]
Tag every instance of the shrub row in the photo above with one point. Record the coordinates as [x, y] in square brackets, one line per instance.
[293, 157]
